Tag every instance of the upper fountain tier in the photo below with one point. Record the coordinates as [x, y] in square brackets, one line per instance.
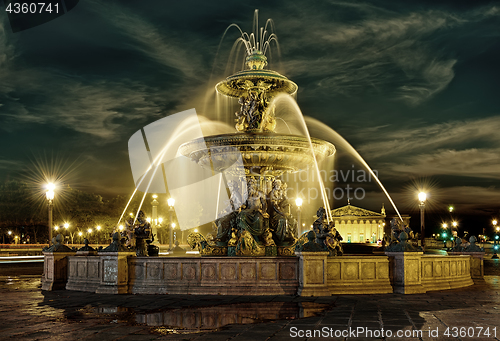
[256, 78]
[256, 145]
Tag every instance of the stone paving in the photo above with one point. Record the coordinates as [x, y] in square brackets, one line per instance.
[27, 313]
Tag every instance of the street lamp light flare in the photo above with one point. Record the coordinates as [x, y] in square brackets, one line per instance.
[445, 225]
[454, 224]
[66, 225]
[422, 196]
[80, 233]
[89, 230]
[495, 222]
[171, 202]
[298, 202]
[98, 228]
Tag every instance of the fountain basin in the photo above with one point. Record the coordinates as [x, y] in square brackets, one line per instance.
[262, 153]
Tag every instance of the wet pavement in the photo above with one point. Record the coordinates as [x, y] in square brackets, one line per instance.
[27, 313]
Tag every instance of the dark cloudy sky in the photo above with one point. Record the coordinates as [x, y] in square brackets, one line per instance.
[412, 85]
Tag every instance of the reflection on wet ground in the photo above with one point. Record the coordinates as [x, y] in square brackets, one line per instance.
[29, 313]
[198, 319]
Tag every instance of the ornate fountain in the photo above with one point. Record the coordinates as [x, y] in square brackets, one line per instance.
[259, 221]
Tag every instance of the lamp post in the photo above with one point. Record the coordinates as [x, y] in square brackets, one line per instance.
[49, 194]
[422, 197]
[445, 226]
[154, 216]
[98, 228]
[171, 203]
[495, 242]
[298, 202]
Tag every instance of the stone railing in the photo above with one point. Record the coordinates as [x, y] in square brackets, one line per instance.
[214, 275]
[309, 274]
[446, 272]
[359, 275]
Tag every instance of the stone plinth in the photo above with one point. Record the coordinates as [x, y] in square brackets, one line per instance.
[313, 274]
[359, 275]
[85, 271]
[55, 270]
[113, 278]
[476, 263]
[406, 269]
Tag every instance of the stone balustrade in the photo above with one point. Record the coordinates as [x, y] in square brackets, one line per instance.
[309, 274]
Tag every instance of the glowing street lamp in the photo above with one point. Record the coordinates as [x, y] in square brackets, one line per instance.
[444, 234]
[98, 228]
[80, 234]
[422, 197]
[298, 202]
[154, 215]
[171, 203]
[495, 242]
[49, 194]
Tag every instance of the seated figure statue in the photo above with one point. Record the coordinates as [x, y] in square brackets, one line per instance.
[251, 220]
[326, 234]
[228, 220]
[280, 220]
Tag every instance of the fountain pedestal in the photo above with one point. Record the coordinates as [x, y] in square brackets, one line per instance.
[55, 270]
[313, 274]
[406, 269]
[114, 277]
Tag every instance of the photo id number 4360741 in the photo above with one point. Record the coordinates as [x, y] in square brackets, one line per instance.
[32, 7]
[470, 332]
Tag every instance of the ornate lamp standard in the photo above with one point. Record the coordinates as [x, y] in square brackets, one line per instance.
[50, 198]
[422, 197]
[445, 226]
[171, 203]
[495, 242]
[298, 202]
[98, 228]
[154, 216]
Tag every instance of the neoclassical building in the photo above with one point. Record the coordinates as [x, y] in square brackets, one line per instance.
[358, 225]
